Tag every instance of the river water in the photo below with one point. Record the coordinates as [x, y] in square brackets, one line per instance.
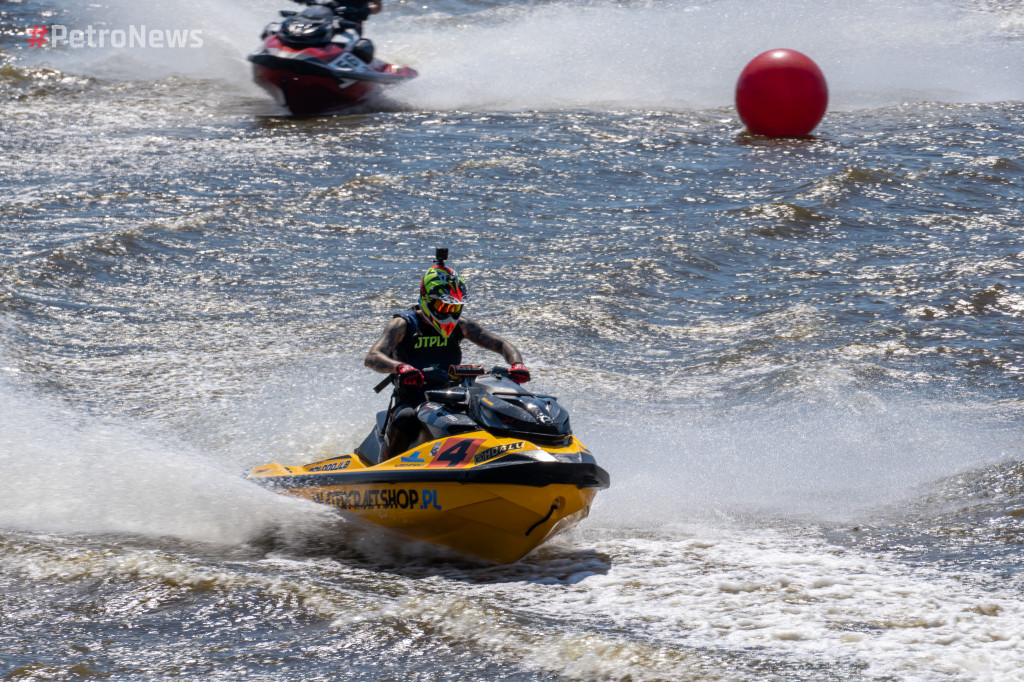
[799, 360]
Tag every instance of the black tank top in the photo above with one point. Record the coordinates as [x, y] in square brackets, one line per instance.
[424, 346]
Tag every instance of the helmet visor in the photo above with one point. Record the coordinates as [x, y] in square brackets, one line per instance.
[441, 309]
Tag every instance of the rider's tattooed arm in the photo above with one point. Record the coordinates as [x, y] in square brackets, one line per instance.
[489, 340]
[380, 357]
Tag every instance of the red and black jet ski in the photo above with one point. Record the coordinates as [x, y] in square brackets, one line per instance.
[317, 62]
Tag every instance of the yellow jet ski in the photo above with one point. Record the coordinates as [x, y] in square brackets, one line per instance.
[494, 473]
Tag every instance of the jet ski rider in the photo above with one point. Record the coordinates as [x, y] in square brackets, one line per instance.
[429, 335]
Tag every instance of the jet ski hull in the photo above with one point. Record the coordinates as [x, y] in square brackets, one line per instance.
[320, 80]
[493, 499]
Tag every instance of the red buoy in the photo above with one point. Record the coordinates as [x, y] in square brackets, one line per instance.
[781, 93]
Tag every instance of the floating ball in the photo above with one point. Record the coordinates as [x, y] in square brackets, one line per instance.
[781, 93]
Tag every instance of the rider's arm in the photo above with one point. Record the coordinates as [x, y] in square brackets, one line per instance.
[489, 340]
[374, 6]
[380, 357]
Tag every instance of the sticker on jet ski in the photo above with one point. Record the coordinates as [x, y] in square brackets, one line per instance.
[378, 498]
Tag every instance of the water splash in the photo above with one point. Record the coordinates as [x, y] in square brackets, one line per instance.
[65, 471]
[688, 54]
[803, 461]
[220, 35]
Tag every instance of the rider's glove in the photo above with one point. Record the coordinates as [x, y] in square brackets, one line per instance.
[518, 373]
[409, 376]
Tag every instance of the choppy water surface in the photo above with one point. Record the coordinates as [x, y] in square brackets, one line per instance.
[800, 360]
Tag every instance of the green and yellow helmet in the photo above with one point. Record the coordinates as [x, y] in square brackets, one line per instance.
[442, 293]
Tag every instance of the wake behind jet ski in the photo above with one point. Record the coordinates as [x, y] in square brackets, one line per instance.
[494, 472]
[317, 61]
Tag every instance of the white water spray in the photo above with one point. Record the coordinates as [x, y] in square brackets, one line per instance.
[65, 471]
[684, 55]
[803, 461]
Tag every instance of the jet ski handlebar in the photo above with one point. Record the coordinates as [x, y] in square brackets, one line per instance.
[437, 377]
